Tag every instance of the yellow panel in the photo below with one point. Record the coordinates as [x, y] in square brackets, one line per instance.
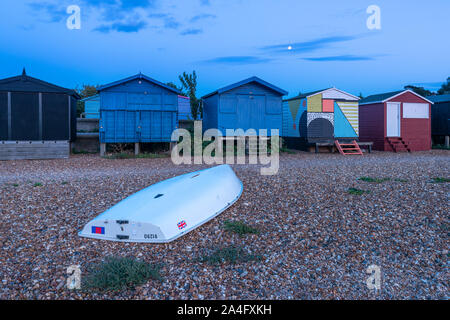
[315, 103]
[350, 110]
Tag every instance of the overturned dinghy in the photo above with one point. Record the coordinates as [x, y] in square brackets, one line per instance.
[168, 209]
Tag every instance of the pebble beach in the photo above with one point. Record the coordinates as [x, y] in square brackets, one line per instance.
[316, 239]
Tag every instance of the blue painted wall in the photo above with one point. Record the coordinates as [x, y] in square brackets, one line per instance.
[92, 107]
[250, 106]
[184, 108]
[137, 111]
[342, 128]
[292, 127]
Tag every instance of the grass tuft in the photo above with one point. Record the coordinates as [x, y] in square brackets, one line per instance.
[125, 155]
[440, 180]
[357, 191]
[229, 255]
[116, 274]
[374, 180]
[239, 227]
[37, 184]
[441, 147]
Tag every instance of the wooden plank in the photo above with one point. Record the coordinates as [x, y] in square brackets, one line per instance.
[18, 150]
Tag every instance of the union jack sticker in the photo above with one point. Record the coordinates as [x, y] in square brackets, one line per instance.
[181, 225]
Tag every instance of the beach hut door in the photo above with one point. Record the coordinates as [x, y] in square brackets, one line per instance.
[393, 119]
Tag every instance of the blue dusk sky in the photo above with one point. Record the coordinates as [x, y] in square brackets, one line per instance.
[296, 45]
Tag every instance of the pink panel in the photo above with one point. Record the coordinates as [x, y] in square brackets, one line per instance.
[328, 106]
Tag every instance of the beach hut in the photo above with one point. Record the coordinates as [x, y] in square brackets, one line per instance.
[37, 119]
[319, 118]
[249, 104]
[440, 119]
[135, 110]
[92, 107]
[396, 121]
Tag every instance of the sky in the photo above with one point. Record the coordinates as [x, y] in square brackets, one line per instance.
[297, 45]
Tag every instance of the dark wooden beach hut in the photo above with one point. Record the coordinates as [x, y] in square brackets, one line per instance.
[37, 119]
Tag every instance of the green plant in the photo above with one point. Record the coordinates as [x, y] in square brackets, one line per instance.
[229, 254]
[400, 180]
[189, 85]
[357, 191]
[374, 180]
[124, 155]
[440, 180]
[37, 184]
[119, 273]
[441, 146]
[286, 150]
[64, 183]
[239, 227]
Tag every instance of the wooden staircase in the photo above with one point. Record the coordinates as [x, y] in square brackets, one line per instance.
[347, 148]
[398, 145]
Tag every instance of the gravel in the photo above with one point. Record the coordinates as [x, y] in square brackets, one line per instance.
[316, 240]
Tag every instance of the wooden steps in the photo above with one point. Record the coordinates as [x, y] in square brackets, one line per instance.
[398, 145]
[346, 149]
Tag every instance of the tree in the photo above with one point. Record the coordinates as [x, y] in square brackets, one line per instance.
[419, 90]
[445, 88]
[189, 83]
[361, 95]
[173, 85]
[85, 91]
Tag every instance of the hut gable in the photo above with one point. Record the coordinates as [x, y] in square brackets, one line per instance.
[249, 104]
[25, 83]
[137, 109]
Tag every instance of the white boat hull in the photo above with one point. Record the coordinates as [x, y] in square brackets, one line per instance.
[169, 209]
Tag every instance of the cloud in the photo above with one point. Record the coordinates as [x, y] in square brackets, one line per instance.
[55, 13]
[308, 46]
[122, 27]
[121, 4]
[191, 32]
[340, 58]
[202, 16]
[115, 15]
[169, 22]
[238, 60]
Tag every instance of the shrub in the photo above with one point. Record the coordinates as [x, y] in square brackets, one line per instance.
[239, 227]
[120, 273]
